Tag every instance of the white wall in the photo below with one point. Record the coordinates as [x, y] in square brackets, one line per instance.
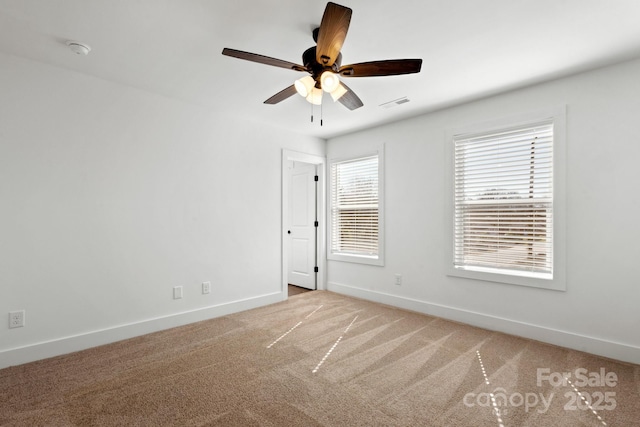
[599, 311]
[111, 196]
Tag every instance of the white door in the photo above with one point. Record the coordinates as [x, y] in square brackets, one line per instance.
[302, 229]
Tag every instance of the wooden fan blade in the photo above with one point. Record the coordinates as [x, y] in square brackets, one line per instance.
[254, 57]
[282, 95]
[333, 31]
[350, 99]
[389, 67]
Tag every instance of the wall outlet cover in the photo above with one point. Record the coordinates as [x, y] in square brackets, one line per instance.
[16, 319]
[206, 287]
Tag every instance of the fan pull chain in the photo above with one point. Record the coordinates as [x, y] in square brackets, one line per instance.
[320, 112]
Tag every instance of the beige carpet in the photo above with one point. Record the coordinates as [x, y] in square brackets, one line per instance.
[322, 359]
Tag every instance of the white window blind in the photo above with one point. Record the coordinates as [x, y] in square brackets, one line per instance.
[355, 207]
[503, 189]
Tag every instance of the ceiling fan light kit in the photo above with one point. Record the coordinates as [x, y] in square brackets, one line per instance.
[329, 82]
[323, 63]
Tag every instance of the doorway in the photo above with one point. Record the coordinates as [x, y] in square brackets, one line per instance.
[296, 290]
[302, 231]
[303, 241]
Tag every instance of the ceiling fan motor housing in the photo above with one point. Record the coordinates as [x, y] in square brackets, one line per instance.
[316, 69]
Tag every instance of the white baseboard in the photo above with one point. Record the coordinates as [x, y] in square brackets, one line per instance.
[613, 350]
[70, 344]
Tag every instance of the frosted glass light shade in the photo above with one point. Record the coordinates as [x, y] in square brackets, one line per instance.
[329, 81]
[315, 97]
[338, 92]
[304, 86]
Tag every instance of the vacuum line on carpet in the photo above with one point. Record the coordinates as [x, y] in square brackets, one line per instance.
[310, 314]
[291, 330]
[496, 410]
[334, 346]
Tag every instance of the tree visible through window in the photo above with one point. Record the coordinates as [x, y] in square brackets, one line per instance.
[355, 207]
[503, 188]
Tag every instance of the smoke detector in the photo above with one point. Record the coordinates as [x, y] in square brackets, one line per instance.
[78, 48]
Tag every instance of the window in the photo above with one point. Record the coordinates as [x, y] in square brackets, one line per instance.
[356, 210]
[504, 206]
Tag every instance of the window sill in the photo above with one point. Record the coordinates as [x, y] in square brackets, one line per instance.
[358, 259]
[535, 280]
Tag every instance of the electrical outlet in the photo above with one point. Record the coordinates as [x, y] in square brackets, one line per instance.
[206, 287]
[398, 279]
[16, 319]
[177, 292]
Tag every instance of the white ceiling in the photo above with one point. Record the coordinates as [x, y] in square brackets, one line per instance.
[470, 49]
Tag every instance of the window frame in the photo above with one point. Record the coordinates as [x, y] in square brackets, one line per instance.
[557, 115]
[378, 259]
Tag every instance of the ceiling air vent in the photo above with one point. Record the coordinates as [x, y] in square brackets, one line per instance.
[394, 103]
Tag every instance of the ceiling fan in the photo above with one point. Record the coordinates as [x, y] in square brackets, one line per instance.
[323, 63]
